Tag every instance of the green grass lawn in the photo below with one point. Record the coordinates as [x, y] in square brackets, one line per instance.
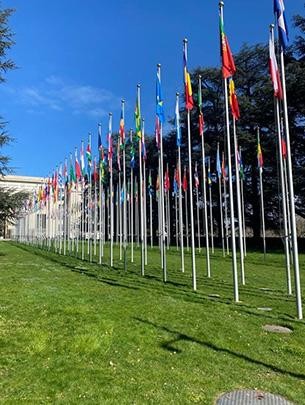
[75, 332]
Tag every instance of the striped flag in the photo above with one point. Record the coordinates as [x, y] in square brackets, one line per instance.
[78, 172]
[233, 100]
[189, 102]
[184, 181]
[260, 160]
[196, 177]
[159, 98]
[279, 11]
[137, 115]
[274, 70]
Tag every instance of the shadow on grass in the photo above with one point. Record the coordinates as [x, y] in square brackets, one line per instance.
[153, 283]
[181, 337]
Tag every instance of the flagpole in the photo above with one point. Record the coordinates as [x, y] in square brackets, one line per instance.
[100, 215]
[131, 201]
[111, 188]
[291, 197]
[176, 222]
[262, 198]
[243, 210]
[238, 197]
[150, 212]
[208, 264]
[220, 204]
[197, 209]
[186, 218]
[161, 177]
[124, 189]
[225, 204]
[234, 263]
[144, 196]
[141, 191]
[211, 205]
[167, 216]
[180, 196]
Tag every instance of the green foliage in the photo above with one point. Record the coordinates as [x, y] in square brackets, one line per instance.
[99, 335]
[10, 205]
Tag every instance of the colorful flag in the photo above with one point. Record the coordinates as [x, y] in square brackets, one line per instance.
[177, 122]
[110, 151]
[103, 164]
[241, 165]
[72, 173]
[218, 165]
[233, 100]
[279, 10]
[260, 160]
[184, 181]
[209, 173]
[122, 126]
[274, 71]
[189, 102]
[77, 167]
[95, 172]
[283, 144]
[159, 99]
[150, 186]
[132, 156]
[228, 65]
[82, 160]
[144, 153]
[118, 149]
[200, 118]
[137, 116]
[175, 184]
[60, 176]
[223, 167]
[99, 137]
[196, 177]
[89, 157]
[166, 181]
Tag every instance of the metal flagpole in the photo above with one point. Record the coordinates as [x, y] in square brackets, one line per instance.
[179, 141]
[161, 178]
[260, 168]
[187, 83]
[243, 209]
[282, 179]
[186, 217]
[234, 263]
[150, 212]
[100, 215]
[95, 205]
[176, 221]
[131, 202]
[144, 193]
[220, 201]
[122, 133]
[210, 205]
[291, 197]
[167, 215]
[238, 197]
[197, 207]
[225, 203]
[208, 264]
[111, 187]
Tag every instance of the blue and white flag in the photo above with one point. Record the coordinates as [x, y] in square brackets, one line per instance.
[279, 10]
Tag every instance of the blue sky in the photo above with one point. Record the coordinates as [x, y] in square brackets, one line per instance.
[76, 59]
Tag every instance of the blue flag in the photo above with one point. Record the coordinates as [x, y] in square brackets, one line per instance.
[159, 99]
[279, 10]
[218, 164]
[99, 139]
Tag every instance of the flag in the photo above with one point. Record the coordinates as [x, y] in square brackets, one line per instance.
[209, 173]
[177, 122]
[274, 70]
[132, 157]
[283, 144]
[77, 167]
[200, 118]
[260, 160]
[144, 153]
[122, 126]
[150, 186]
[99, 137]
[279, 10]
[72, 173]
[118, 157]
[228, 65]
[157, 132]
[110, 151]
[82, 160]
[233, 100]
[95, 172]
[175, 184]
[196, 177]
[137, 116]
[184, 181]
[60, 176]
[166, 181]
[223, 167]
[102, 165]
[218, 165]
[189, 102]
[89, 158]
[157, 187]
[159, 99]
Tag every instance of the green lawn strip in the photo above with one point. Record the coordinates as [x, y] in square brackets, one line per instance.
[73, 331]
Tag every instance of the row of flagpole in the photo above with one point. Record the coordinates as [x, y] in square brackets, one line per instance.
[76, 208]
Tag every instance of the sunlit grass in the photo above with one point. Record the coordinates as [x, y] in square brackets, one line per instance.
[76, 332]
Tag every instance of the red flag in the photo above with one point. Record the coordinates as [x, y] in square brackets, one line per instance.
[233, 101]
[184, 182]
[228, 65]
[189, 102]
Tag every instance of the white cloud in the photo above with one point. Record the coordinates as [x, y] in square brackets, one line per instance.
[54, 93]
